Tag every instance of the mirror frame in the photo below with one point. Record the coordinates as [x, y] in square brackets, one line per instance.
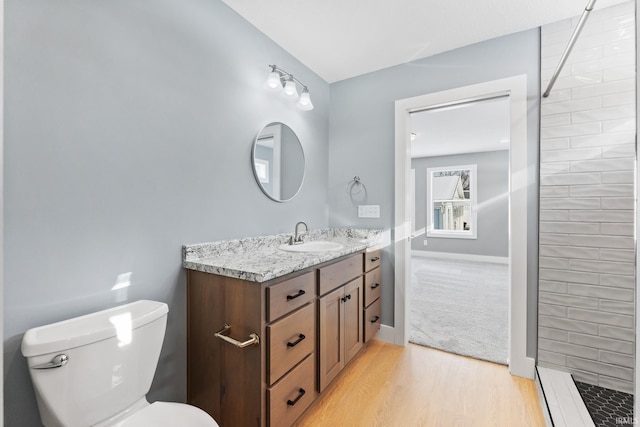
[255, 172]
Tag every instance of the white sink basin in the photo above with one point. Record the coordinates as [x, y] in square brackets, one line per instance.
[312, 246]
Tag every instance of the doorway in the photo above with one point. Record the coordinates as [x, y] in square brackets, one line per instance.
[459, 282]
[516, 90]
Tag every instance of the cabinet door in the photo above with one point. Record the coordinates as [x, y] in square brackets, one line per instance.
[331, 350]
[352, 305]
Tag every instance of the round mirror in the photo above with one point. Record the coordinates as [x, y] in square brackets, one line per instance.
[278, 162]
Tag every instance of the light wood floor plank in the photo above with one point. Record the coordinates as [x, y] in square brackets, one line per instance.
[387, 385]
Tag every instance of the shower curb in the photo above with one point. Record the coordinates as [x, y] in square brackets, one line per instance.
[562, 402]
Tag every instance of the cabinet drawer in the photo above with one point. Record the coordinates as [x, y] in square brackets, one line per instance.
[372, 259]
[288, 295]
[288, 399]
[372, 319]
[291, 339]
[372, 286]
[339, 273]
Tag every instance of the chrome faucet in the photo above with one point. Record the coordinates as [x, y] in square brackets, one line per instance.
[296, 239]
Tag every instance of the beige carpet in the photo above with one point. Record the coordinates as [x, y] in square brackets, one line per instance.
[460, 307]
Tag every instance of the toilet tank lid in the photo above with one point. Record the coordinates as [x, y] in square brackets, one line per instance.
[91, 328]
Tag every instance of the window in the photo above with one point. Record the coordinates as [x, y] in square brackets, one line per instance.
[451, 202]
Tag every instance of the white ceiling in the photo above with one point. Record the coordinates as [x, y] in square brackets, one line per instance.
[465, 128]
[339, 39]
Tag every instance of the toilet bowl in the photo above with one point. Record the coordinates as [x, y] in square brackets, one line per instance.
[164, 414]
[95, 370]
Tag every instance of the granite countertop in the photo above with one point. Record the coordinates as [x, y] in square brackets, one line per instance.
[258, 259]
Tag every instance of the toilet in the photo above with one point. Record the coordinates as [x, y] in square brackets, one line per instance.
[95, 370]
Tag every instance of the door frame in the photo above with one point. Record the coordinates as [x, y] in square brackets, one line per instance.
[516, 88]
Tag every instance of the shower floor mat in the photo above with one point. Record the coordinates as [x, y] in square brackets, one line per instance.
[607, 407]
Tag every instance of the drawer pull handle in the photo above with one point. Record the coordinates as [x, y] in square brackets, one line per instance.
[375, 319]
[294, 401]
[296, 342]
[374, 259]
[253, 338]
[375, 285]
[299, 294]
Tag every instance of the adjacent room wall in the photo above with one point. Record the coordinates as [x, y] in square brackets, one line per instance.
[588, 150]
[492, 205]
[362, 138]
[128, 132]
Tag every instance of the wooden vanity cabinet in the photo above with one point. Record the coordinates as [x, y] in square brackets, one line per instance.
[339, 317]
[372, 305]
[250, 385]
[225, 381]
[309, 323]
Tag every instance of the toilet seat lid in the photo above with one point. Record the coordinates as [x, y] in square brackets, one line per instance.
[168, 414]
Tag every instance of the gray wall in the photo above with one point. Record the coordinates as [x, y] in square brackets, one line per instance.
[362, 137]
[493, 204]
[128, 132]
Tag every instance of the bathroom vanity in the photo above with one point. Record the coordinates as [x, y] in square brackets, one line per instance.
[269, 329]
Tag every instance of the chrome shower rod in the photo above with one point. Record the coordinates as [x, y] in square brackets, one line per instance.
[567, 50]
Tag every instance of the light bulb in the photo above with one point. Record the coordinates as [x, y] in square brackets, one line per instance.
[290, 90]
[304, 103]
[273, 82]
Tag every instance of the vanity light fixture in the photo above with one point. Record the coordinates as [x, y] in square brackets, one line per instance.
[283, 82]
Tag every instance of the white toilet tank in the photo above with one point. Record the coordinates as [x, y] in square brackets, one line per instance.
[111, 357]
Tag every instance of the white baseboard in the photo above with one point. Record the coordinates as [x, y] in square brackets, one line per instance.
[467, 257]
[523, 367]
[386, 334]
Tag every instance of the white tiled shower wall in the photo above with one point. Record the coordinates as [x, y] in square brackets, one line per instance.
[586, 297]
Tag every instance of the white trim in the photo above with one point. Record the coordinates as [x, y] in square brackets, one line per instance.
[636, 400]
[562, 399]
[274, 131]
[412, 190]
[1, 202]
[516, 88]
[386, 334]
[464, 257]
[402, 223]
